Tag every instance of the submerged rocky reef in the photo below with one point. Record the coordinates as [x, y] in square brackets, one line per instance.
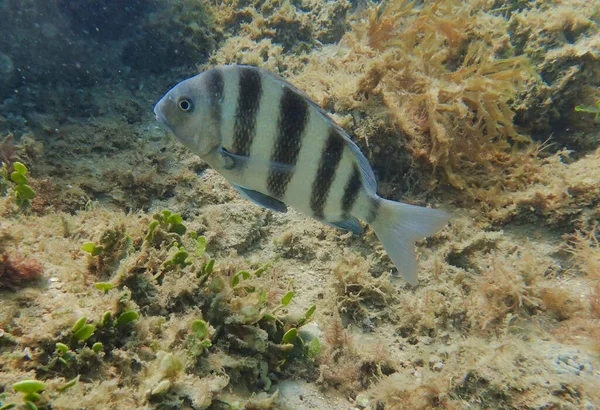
[134, 276]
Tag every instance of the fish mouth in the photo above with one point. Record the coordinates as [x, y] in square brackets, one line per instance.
[160, 117]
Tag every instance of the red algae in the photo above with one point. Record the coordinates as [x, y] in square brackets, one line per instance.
[18, 271]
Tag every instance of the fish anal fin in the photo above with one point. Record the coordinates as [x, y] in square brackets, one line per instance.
[262, 199]
[351, 224]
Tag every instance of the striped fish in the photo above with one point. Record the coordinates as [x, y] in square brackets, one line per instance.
[278, 148]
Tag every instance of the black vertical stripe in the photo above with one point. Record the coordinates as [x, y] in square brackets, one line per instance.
[374, 209]
[352, 190]
[330, 158]
[250, 90]
[293, 117]
[214, 84]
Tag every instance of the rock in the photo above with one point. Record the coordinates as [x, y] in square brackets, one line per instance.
[569, 360]
[362, 401]
[300, 395]
[310, 331]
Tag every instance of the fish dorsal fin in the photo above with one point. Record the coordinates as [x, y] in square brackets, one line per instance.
[261, 199]
[365, 167]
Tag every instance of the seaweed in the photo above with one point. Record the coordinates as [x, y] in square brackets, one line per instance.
[505, 290]
[562, 41]
[449, 91]
[584, 246]
[17, 271]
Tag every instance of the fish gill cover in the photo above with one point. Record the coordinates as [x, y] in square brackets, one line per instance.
[132, 275]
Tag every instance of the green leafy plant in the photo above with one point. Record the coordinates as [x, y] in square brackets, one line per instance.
[84, 333]
[61, 347]
[290, 335]
[104, 256]
[201, 243]
[198, 341]
[235, 280]
[68, 384]
[24, 193]
[179, 258]
[151, 228]
[30, 388]
[81, 331]
[79, 324]
[92, 248]
[206, 269]
[590, 109]
[287, 298]
[307, 315]
[64, 354]
[168, 222]
[106, 319]
[104, 286]
[126, 318]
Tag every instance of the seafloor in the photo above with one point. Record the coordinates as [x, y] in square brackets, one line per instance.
[487, 109]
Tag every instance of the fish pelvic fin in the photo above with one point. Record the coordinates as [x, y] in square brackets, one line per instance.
[399, 225]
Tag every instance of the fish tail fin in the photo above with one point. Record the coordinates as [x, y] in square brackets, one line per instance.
[399, 225]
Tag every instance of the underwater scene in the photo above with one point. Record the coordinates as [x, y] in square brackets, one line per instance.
[299, 204]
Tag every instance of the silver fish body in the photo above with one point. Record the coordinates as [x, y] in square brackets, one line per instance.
[278, 148]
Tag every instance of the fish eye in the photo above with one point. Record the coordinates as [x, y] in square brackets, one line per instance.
[185, 104]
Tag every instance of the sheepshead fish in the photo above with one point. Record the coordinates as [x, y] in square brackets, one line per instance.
[277, 148]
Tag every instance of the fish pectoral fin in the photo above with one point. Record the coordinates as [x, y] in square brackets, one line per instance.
[231, 161]
[262, 199]
[351, 224]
